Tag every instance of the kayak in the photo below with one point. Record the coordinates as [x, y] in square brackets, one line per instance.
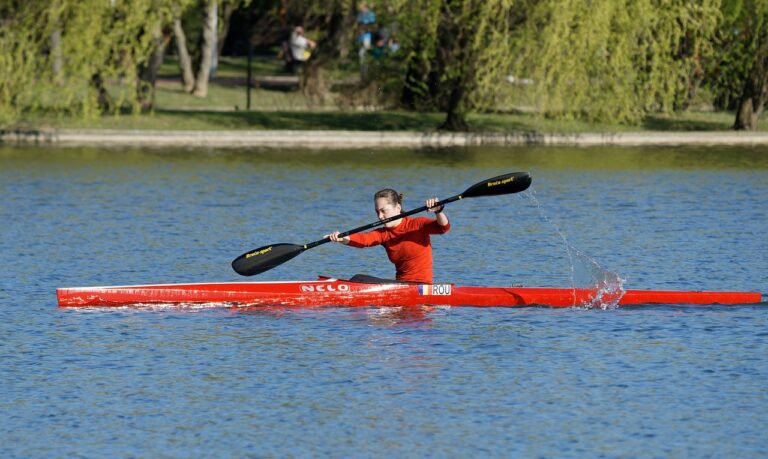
[339, 292]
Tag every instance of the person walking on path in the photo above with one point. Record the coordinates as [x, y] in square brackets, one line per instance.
[300, 47]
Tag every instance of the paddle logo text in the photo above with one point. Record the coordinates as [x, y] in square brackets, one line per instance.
[325, 288]
[435, 289]
[501, 182]
[259, 252]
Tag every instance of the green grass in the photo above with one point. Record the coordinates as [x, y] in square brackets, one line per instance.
[374, 121]
[691, 121]
[281, 109]
[230, 67]
[229, 98]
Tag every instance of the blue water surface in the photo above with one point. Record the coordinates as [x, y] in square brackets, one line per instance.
[641, 381]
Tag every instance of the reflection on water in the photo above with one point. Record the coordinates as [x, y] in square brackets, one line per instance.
[609, 158]
[399, 316]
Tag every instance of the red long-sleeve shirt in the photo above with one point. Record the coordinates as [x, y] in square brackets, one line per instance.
[407, 245]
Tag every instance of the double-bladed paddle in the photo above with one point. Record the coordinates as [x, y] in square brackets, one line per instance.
[267, 257]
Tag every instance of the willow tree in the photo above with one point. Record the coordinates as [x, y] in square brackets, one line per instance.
[743, 57]
[93, 66]
[613, 59]
[457, 54]
[20, 35]
[729, 64]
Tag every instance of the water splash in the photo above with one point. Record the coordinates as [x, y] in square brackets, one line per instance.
[605, 287]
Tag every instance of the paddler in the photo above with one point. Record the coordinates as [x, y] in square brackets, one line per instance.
[406, 239]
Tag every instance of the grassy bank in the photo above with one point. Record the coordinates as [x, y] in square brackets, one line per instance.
[370, 121]
[284, 108]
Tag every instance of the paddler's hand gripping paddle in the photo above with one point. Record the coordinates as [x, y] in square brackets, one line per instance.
[267, 257]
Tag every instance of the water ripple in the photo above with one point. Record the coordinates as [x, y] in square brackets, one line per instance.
[651, 381]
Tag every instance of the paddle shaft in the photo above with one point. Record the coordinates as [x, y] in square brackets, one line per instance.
[382, 222]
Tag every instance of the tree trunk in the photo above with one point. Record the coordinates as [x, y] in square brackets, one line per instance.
[149, 70]
[185, 63]
[420, 86]
[104, 99]
[57, 56]
[410, 95]
[455, 116]
[215, 44]
[206, 50]
[755, 93]
[454, 122]
[226, 14]
[456, 58]
[752, 101]
[746, 120]
[347, 35]
[312, 82]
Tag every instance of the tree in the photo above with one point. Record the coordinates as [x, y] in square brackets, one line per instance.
[750, 24]
[208, 21]
[613, 60]
[182, 51]
[148, 70]
[456, 54]
[97, 43]
[206, 49]
[334, 20]
[330, 24]
[21, 35]
[226, 11]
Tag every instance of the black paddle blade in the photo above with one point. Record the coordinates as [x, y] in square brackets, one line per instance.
[265, 258]
[503, 184]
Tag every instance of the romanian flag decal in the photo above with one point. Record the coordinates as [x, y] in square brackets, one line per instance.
[434, 289]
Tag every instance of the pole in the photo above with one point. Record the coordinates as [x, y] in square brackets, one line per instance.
[249, 82]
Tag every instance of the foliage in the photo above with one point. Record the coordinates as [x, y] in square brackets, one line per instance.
[456, 54]
[100, 41]
[594, 60]
[729, 65]
[611, 59]
[738, 71]
[21, 38]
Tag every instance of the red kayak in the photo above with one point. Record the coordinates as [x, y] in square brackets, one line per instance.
[336, 292]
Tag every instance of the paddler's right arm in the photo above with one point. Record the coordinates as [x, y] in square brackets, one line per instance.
[334, 236]
[360, 240]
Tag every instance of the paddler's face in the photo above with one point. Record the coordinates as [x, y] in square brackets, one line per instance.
[385, 209]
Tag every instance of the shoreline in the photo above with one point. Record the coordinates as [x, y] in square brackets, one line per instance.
[316, 139]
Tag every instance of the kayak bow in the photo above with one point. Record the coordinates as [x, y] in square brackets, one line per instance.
[334, 292]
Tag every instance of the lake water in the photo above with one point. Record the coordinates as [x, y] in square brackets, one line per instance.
[650, 381]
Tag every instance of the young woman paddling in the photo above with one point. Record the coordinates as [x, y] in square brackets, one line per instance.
[406, 239]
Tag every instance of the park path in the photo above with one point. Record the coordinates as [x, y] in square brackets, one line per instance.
[365, 139]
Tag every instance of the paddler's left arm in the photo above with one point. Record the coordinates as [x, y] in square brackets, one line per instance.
[440, 216]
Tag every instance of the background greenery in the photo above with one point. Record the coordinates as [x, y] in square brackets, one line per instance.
[493, 65]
